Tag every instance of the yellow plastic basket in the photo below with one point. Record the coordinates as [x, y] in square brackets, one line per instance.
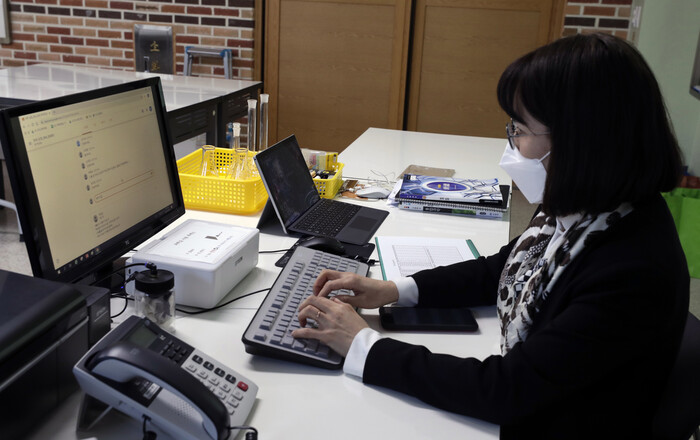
[327, 188]
[218, 194]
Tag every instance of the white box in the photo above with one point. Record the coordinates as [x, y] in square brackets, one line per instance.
[208, 260]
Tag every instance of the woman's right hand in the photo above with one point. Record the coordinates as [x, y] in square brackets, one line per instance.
[368, 293]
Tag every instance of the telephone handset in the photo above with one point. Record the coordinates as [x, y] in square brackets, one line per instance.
[144, 371]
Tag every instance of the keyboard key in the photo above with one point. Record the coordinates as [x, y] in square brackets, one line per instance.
[323, 351]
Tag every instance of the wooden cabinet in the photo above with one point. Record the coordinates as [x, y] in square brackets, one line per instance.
[460, 49]
[333, 68]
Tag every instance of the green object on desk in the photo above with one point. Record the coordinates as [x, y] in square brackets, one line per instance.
[684, 204]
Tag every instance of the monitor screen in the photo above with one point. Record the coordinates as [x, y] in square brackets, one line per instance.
[93, 174]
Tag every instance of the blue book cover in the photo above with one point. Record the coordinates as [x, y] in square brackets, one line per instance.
[451, 189]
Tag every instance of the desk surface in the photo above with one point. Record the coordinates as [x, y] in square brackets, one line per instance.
[45, 81]
[298, 401]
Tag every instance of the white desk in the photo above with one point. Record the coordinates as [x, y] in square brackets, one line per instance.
[301, 402]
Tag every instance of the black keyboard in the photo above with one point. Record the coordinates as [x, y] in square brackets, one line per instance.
[327, 218]
[269, 332]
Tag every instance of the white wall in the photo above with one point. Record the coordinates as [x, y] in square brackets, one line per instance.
[668, 38]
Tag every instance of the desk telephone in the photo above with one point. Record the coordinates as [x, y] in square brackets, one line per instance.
[145, 372]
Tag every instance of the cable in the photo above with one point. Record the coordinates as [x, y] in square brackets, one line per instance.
[122, 294]
[126, 302]
[272, 252]
[116, 271]
[147, 435]
[367, 261]
[251, 434]
[197, 312]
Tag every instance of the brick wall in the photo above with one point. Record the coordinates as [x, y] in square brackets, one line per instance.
[609, 16]
[99, 33]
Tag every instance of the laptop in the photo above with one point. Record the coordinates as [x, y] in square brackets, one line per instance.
[298, 205]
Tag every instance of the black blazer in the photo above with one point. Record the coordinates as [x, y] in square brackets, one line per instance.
[595, 362]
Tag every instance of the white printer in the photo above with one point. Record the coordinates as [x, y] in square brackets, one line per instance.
[208, 259]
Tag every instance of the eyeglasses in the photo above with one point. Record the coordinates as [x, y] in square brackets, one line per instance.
[513, 133]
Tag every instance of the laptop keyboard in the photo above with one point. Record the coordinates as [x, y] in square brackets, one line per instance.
[327, 218]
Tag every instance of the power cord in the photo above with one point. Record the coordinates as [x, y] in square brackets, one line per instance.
[273, 252]
[147, 435]
[251, 433]
[122, 293]
[197, 312]
[116, 272]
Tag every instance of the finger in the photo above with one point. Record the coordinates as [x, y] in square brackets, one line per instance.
[307, 313]
[319, 302]
[344, 281]
[306, 303]
[306, 333]
[310, 313]
[343, 301]
[346, 299]
[325, 276]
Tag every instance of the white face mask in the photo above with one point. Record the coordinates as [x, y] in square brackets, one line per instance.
[529, 174]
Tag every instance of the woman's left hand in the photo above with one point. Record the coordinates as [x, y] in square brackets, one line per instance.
[337, 323]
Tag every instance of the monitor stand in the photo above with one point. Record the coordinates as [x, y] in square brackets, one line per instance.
[110, 277]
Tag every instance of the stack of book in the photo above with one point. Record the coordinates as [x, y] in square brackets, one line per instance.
[471, 197]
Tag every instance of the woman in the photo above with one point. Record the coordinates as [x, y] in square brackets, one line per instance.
[592, 297]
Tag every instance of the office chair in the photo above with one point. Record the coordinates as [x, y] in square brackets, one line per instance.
[678, 415]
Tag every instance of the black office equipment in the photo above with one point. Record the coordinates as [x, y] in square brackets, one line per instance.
[144, 371]
[298, 205]
[93, 174]
[269, 332]
[428, 319]
[44, 330]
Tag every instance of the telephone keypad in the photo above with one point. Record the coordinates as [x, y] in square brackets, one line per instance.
[210, 374]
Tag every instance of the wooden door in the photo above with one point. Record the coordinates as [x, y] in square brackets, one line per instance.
[333, 68]
[460, 49]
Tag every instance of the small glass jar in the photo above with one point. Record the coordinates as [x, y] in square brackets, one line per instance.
[154, 298]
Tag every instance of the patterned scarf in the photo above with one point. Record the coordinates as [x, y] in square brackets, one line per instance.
[530, 273]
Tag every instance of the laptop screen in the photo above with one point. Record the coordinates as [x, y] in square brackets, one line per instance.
[287, 179]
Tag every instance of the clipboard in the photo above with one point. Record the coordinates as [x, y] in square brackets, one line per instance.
[404, 256]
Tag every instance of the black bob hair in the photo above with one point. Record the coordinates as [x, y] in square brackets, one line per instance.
[612, 141]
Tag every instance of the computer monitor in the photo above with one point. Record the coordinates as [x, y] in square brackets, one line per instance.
[93, 175]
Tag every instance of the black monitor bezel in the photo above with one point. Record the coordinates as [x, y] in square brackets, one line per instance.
[27, 202]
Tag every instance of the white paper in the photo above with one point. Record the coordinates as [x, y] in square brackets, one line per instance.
[200, 241]
[404, 256]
